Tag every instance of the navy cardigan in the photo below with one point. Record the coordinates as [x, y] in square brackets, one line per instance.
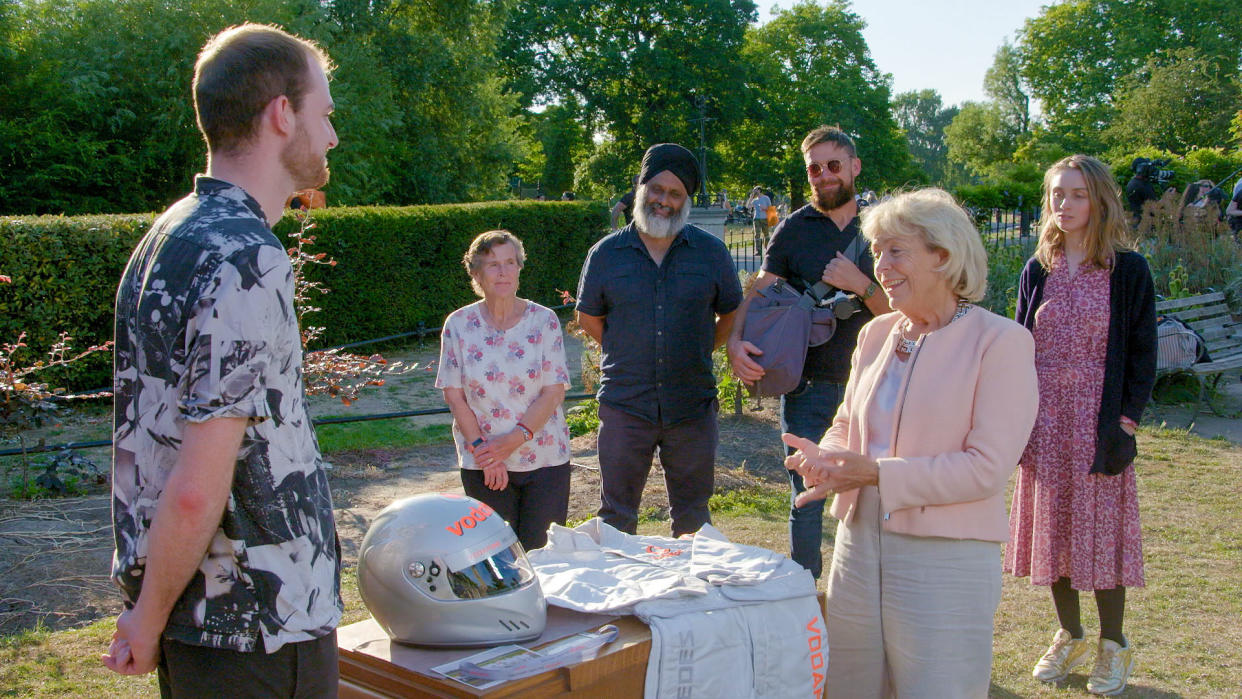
[1129, 361]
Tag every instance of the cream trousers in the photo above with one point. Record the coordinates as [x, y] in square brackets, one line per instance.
[909, 616]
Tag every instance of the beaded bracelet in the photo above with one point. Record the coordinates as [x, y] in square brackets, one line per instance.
[526, 432]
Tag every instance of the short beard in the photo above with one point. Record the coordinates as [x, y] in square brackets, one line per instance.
[307, 170]
[844, 195]
[653, 225]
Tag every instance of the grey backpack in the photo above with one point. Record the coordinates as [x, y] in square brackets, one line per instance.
[783, 323]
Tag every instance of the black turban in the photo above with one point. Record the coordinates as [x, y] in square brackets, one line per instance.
[675, 159]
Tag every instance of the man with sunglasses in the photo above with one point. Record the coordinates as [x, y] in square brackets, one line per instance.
[808, 246]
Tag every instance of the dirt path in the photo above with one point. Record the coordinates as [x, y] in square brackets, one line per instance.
[55, 554]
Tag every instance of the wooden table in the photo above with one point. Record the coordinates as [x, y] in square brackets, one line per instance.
[373, 667]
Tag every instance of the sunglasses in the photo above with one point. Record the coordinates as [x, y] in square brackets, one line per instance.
[815, 169]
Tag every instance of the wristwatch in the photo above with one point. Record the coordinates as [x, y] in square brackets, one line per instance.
[871, 289]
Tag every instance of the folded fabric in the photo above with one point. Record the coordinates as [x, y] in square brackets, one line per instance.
[726, 619]
[773, 649]
[577, 572]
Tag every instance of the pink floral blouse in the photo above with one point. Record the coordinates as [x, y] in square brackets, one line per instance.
[502, 372]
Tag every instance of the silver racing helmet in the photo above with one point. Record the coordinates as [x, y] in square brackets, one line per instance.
[445, 570]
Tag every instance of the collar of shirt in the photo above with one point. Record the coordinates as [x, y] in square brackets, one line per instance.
[629, 238]
[205, 186]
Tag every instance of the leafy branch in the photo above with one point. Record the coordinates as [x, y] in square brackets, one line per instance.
[331, 372]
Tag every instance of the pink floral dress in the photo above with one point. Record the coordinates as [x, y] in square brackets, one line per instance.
[1066, 522]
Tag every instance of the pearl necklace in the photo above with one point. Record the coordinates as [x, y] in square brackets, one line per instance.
[906, 347]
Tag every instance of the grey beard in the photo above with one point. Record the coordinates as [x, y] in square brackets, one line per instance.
[658, 226]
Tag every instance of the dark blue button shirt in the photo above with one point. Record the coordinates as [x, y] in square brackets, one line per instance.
[659, 321]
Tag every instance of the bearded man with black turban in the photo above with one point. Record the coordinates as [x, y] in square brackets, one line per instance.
[658, 295]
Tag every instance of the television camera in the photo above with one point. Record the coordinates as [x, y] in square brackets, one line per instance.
[1154, 170]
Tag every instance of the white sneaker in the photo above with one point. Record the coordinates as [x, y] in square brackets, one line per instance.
[1113, 665]
[1065, 654]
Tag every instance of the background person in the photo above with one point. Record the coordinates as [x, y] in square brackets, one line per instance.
[1074, 524]
[1233, 214]
[624, 208]
[758, 203]
[1196, 198]
[1139, 191]
[226, 547]
[940, 401]
[503, 373]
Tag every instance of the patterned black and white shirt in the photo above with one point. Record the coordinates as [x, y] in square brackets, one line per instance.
[206, 328]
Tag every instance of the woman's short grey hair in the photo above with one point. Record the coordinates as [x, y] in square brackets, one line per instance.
[934, 217]
[482, 245]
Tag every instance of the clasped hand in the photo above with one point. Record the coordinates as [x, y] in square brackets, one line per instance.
[491, 455]
[824, 472]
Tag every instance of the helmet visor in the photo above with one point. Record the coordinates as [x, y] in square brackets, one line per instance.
[497, 574]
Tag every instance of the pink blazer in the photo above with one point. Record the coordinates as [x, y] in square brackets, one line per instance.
[964, 412]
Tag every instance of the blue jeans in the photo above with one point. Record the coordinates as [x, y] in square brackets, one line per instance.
[807, 411]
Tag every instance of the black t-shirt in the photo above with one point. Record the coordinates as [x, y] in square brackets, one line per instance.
[1139, 191]
[627, 205]
[801, 247]
[1235, 222]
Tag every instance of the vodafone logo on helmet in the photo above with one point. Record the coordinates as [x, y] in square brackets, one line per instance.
[473, 519]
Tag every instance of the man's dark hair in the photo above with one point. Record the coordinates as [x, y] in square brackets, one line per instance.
[242, 69]
[829, 134]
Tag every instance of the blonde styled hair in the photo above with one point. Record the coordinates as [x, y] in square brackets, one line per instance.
[1106, 232]
[934, 217]
[481, 246]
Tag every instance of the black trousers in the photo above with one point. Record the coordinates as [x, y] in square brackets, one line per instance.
[306, 670]
[687, 452]
[532, 500]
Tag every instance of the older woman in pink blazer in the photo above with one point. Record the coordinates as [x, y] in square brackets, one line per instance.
[941, 400]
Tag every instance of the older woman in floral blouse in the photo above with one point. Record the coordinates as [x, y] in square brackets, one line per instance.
[503, 373]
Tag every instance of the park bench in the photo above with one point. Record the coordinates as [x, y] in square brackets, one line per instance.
[1209, 315]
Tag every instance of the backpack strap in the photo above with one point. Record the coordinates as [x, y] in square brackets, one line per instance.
[821, 290]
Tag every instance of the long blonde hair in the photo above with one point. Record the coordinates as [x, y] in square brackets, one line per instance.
[1107, 231]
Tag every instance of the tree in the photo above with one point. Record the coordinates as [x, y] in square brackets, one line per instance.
[807, 66]
[563, 142]
[636, 66]
[923, 118]
[606, 172]
[979, 138]
[1004, 84]
[1175, 105]
[1075, 52]
[453, 134]
[96, 113]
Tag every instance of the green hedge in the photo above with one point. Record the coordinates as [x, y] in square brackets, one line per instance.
[1003, 195]
[397, 267]
[65, 271]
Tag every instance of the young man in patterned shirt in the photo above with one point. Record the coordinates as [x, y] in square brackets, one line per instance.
[226, 548]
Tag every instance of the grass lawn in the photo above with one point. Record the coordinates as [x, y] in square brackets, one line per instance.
[1186, 626]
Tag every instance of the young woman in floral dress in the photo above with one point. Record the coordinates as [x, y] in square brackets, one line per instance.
[1089, 301]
